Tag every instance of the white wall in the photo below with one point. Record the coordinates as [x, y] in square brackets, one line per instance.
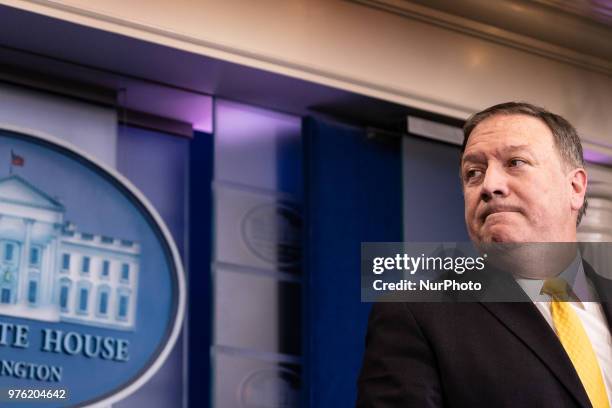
[91, 128]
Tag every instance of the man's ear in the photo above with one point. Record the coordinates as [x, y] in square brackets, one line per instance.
[579, 180]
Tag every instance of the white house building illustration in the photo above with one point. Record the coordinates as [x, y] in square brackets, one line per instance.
[51, 272]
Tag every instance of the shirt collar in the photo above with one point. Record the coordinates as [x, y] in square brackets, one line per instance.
[574, 275]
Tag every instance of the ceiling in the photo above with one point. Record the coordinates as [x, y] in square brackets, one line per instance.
[597, 10]
[179, 85]
[582, 26]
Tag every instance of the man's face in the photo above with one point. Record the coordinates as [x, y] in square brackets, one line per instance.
[515, 186]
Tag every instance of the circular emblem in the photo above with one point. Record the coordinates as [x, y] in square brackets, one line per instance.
[273, 233]
[92, 293]
[270, 388]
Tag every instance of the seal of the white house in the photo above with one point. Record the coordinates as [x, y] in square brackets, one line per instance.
[92, 290]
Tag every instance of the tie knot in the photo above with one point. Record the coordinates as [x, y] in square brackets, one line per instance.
[556, 288]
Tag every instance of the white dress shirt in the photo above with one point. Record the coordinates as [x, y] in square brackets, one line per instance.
[590, 313]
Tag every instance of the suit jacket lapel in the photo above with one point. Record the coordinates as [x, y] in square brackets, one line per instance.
[603, 287]
[525, 321]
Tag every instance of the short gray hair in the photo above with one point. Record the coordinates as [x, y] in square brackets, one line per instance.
[564, 134]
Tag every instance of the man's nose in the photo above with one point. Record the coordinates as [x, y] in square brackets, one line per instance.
[495, 184]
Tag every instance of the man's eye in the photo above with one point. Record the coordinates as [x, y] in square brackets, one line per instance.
[470, 174]
[516, 162]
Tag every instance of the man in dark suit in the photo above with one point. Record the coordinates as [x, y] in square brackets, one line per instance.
[523, 178]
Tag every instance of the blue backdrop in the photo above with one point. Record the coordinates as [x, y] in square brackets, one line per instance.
[353, 194]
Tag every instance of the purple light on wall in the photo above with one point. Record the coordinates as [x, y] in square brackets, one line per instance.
[593, 156]
[258, 147]
[179, 105]
[241, 123]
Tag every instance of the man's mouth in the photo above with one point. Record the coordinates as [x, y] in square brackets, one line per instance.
[498, 209]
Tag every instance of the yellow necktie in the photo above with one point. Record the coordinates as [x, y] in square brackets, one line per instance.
[575, 341]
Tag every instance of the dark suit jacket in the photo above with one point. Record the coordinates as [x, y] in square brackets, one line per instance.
[473, 354]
